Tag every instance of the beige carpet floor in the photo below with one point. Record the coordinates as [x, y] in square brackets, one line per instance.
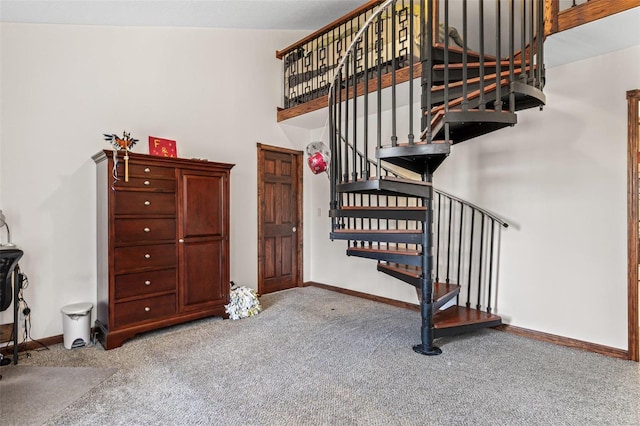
[29, 395]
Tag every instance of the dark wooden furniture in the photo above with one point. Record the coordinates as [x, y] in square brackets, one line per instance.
[163, 243]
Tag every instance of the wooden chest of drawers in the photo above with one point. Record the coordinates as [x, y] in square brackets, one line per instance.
[163, 243]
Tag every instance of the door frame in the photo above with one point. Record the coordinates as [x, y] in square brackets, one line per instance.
[299, 210]
[633, 99]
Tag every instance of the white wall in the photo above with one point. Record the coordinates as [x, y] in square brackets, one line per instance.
[214, 91]
[559, 178]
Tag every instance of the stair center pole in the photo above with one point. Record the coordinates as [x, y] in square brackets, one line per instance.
[426, 346]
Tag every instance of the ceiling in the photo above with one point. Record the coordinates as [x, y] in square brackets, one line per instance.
[596, 38]
[255, 14]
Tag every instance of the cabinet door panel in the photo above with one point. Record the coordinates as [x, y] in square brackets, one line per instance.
[202, 208]
[204, 277]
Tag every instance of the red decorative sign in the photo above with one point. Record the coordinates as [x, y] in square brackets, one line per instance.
[162, 147]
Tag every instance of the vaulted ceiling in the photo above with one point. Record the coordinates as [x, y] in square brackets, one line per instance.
[257, 14]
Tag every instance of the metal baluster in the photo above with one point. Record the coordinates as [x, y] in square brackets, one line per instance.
[465, 94]
[346, 119]
[497, 105]
[365, 130]
[473, 213]
[482, 106]
[411, 36]
[449, 239]
[489, 283]
[523, 41]
[394, 130]
[478, 305]
[354, 57]
[512, 93]
[532, 78]
[338, 159]
[439, 230]
[460, 243]
[540, 38]
[379, 93]
[447, 125]
[427, 74]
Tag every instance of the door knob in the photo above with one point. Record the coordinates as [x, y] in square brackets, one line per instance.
[294, 229]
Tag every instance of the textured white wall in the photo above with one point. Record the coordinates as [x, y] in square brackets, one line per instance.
[214, 91]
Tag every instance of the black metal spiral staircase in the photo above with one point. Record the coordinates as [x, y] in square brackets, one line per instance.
[384, 207]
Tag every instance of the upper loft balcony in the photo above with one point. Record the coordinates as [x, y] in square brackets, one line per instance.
[395, 52]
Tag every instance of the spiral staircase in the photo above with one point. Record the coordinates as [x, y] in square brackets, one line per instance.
[382, 199]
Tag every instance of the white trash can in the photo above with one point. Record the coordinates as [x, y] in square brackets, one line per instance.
[76, 329]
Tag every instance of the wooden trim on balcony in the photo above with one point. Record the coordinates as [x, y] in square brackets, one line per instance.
[633, 246]
[583, 13]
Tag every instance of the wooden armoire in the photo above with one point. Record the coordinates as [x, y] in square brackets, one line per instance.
[163, 243]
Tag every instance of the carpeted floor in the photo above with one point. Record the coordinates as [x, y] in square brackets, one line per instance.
[30, 395]
[319, 357]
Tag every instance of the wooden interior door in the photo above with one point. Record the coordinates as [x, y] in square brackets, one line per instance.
[279, 219]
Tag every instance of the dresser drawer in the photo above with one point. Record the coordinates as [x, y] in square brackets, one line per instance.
[144, 203]
[144, 170]
[128, 230]
[150, 183]
[151, 308]
[143, 257]
[144, 283]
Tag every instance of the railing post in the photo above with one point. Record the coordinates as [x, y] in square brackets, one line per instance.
[426, 47]
[497, 105]
[426, 346]
[411, 38]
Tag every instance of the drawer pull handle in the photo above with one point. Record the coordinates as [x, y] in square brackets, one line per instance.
[147, 203]
[147, 230]
[147, 282]
[147, 256]
[147, 170]
[181, 240]
[147, 309]
[146, 182]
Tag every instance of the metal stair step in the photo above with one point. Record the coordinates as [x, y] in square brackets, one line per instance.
[400, 213]
[455, 54]
[387, 253]
[408, 236]
[387, 185]
[415, 156]
[456, 87]
[473, 70]
[442, 292]
[460, 319]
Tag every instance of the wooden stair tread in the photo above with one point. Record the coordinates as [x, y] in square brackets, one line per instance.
[460, 50]
[417, 143]
[471, 95]
[487, 64]
[398, 208]
[380, 231]
[440, 289]
[470, 81]
[455, 316]
[386, 249]
[391, 179]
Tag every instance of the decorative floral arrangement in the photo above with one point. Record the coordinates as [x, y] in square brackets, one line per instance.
[243, 302]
